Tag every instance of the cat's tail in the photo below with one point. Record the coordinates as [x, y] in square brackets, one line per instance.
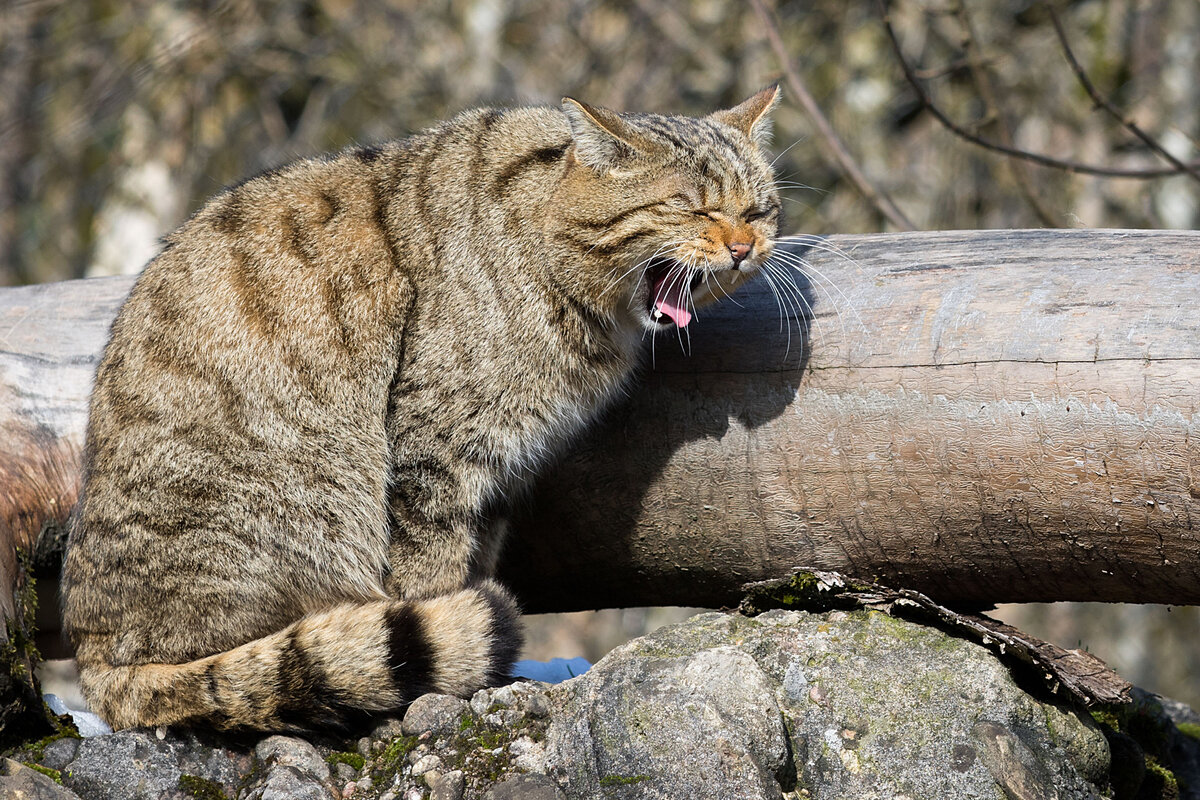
[327, 671]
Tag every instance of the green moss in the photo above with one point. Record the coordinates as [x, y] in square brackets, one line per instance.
[52, 774]
[345, 757]
[383, 767]
[26, 714]
[1052, 729]
[622, 780]
[1160, 781]
[1189, 729]
[475, 744]
[36, 750]
[482, 751]
[201, 788]
[1105, 718]
[1146, 723]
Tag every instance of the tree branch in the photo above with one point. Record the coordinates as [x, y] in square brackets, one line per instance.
[829, 136]
[1038, 158]
[976, 66]
[1103, 102]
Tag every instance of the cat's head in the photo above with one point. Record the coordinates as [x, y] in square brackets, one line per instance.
[678, 211]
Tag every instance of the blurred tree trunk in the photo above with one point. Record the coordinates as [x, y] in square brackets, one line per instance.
[981, 416]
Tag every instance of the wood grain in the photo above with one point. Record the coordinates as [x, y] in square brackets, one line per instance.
[981, 416]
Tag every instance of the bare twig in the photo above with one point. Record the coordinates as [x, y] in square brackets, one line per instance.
[976, 65]
[837, 149]
[1037, 158]
[1104, 103]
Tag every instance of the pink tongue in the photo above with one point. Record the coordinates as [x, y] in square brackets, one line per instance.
[669, 291]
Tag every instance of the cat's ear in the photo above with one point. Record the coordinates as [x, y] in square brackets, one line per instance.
[753, 117]
[603, 140]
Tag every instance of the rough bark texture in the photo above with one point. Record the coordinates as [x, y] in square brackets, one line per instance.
[982, 416]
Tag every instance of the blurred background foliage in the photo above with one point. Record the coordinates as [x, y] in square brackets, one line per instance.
[117, 119]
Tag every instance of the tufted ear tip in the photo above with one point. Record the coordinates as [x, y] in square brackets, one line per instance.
[753, 115]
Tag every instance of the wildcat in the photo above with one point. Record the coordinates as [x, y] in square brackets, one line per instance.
[318, 396]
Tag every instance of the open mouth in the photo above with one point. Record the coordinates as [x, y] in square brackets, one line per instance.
[670, 293]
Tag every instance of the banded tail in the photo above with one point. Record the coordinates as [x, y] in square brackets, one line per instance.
[331, 670]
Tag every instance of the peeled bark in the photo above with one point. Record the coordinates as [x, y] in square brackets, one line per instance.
[981, 416]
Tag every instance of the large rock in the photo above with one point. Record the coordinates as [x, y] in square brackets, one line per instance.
[838, 705]
[785, 705]
[140, 764]
[19, 782]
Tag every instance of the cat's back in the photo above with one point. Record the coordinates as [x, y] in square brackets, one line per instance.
[237, 427]
[236, 437]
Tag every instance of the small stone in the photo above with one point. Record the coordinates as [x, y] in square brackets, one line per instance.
[388, 729]
[288, 751]
[290, 769]
[413, 794]
[537, 706]
[364, 746]
[504, 696]
[365, 783]
[528, 755]
[521, 745]
[388, 795]
[424, 764]
[504, 718]
[349, 789]
[526, 787]
[438, 714]
[60, 752]
[481, 701]
[345, 772]
[449, 786]
[431, 777]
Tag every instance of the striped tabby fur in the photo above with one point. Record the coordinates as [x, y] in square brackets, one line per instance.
[319, 395]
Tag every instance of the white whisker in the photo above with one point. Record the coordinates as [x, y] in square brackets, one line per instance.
[806, 267]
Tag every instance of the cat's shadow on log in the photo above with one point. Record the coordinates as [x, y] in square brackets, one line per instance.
[575, 536]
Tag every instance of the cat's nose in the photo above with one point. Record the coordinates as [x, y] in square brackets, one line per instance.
[739, 251]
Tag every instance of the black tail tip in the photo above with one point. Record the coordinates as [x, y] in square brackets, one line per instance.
[505, 631]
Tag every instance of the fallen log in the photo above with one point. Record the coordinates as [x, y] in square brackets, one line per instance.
[986, 416]
[980, 416]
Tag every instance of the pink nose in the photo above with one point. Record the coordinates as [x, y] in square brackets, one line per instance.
[739, 251]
